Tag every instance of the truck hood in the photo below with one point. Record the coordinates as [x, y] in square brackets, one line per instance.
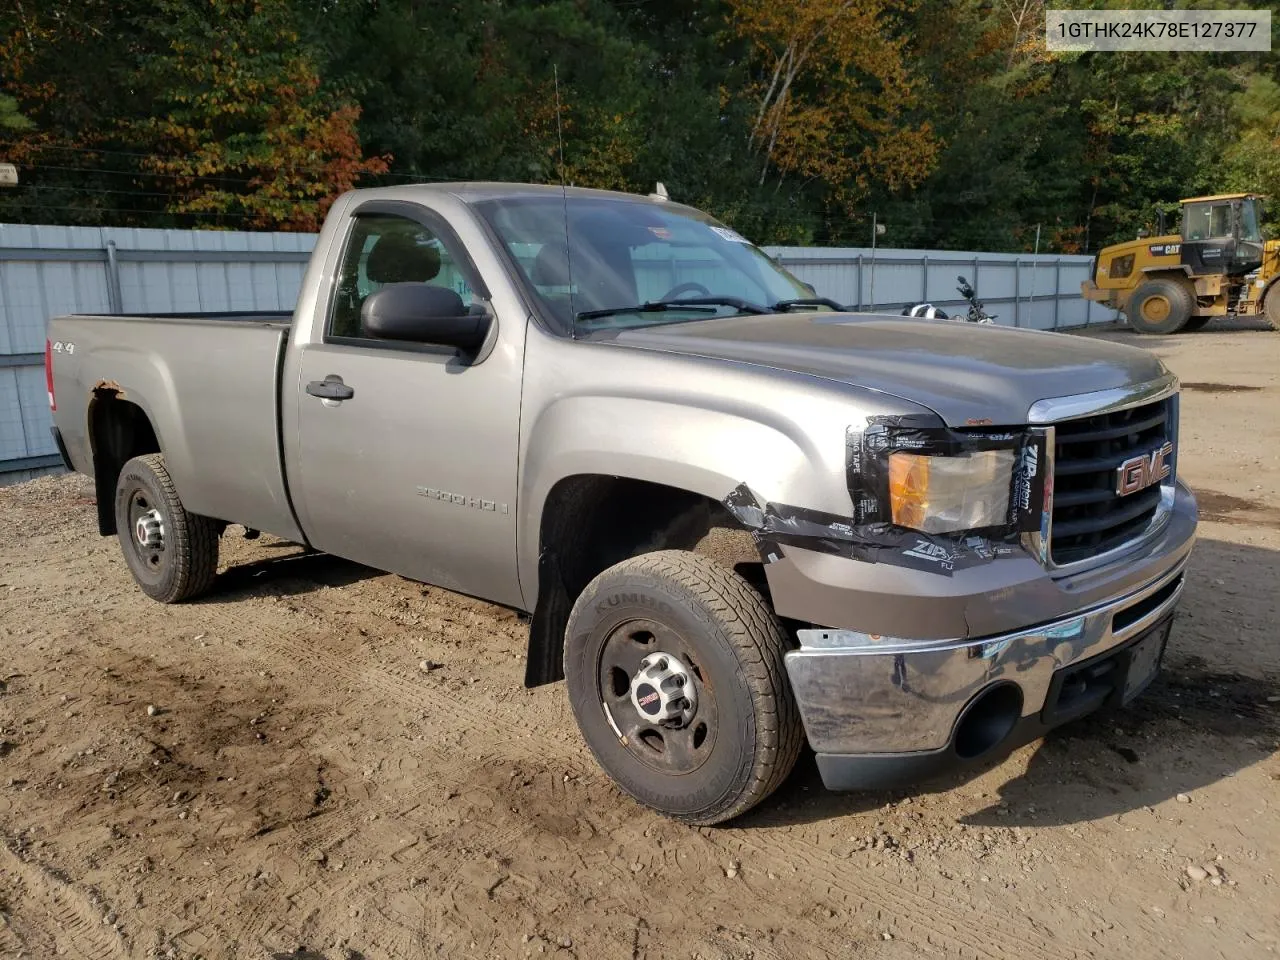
[964, 372]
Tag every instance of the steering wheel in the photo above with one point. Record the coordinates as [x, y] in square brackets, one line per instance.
[691, 287]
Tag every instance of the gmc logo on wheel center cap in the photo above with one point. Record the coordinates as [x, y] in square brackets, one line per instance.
[1138, 473]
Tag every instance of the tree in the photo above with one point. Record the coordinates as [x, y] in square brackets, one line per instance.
[1252, 161]
[10, 119]
[834, 86]
[243, 126]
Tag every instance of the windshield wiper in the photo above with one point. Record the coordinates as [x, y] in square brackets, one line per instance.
[785, 305]
[694, 304]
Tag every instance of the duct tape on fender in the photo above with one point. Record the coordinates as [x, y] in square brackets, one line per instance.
[868, 533]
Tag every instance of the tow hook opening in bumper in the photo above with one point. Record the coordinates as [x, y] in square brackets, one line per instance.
[988, 720]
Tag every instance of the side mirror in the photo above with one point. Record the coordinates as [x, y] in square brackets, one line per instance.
[420, 313]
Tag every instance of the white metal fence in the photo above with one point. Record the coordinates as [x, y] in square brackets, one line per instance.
[46, 271]
[1021, 290]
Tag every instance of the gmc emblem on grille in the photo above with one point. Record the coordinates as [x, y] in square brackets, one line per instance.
[1138, 473]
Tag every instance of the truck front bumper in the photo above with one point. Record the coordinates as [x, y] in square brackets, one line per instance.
[881, 710]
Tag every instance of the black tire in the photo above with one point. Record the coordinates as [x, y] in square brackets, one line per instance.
[1194, 324]
[1270, 312]
[706, 615]
[1160, 306]
[184, 563]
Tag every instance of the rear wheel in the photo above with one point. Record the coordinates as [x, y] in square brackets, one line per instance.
[1270, 313]
[675, 672]
[1160, 307]
[172, 554]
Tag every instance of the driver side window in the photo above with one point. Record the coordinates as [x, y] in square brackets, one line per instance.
[383, 249]
[1208, 221]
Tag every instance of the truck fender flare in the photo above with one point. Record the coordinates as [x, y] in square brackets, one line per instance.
[107, 462]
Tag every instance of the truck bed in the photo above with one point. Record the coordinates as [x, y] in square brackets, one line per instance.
[209, 384]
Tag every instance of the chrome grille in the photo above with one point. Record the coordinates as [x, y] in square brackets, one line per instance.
[1089, 517]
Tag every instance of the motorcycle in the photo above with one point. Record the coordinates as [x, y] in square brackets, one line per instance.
[977, 311]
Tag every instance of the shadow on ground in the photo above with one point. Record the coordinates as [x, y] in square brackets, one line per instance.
[299, 572]
[1121, 331]
[1211, 713]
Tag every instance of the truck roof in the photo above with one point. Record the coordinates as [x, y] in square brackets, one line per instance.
[1221, 196]
[476, 191]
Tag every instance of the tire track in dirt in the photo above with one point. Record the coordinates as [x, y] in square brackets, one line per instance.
[60, 911]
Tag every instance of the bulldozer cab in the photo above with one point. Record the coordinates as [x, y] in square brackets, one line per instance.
[1222, 235]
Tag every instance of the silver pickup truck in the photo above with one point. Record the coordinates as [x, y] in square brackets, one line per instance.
[737, 516]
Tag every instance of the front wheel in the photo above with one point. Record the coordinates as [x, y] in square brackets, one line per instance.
[172, 554]
[1160, 306]
[675, 672]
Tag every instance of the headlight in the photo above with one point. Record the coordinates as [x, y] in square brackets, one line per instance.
[950, 494]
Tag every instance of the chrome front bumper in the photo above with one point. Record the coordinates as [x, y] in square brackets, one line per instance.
[861, 694]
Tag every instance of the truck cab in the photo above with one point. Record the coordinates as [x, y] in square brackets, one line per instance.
[1222, 234]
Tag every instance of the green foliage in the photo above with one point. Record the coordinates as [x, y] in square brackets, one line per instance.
[10, 118]
[947, 118]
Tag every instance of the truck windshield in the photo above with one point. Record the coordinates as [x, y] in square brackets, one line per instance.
[624, 254]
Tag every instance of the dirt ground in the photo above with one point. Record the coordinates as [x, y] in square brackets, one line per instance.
[321, 761]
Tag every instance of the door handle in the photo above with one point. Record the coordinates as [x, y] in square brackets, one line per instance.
[330, 388]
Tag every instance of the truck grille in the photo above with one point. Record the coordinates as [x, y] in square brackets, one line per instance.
[1088, 516]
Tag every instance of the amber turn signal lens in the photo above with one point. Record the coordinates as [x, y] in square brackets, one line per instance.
[968, 491]
[909, 489]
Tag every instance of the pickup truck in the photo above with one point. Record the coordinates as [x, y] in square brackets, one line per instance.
[736, 516]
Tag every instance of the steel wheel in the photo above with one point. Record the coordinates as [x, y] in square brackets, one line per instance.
[656, 697]
[1155, 309]
[147, 525]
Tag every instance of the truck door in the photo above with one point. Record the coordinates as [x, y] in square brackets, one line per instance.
[1208, 240]
[406, 460]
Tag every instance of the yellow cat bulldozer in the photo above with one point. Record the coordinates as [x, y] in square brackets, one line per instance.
[1217, 266]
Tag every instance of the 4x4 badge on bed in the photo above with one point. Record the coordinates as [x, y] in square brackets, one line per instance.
[1138, 473]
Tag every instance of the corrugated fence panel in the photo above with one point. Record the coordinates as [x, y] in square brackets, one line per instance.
[1040, 292]
[50, 270]
[13, 441]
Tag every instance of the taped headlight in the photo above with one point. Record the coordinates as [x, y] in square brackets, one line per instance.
[950, 494]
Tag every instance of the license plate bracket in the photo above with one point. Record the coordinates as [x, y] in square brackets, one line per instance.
[1113, 678]
[1145, 658]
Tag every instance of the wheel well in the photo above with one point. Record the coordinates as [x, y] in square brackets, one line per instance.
[591, 522]
[118, 431]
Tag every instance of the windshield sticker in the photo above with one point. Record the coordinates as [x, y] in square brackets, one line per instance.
[662, 233]
[730, 235]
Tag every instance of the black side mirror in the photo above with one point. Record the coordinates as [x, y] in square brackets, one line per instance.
[421, 313]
